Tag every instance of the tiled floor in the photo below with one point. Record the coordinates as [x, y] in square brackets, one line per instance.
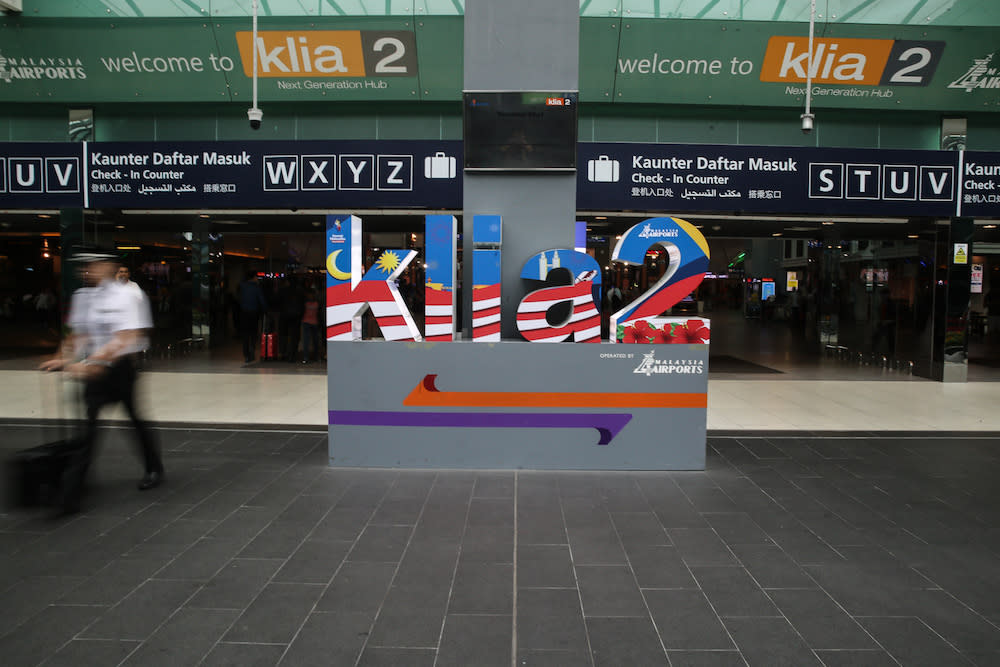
[790, 549]
[280, 395]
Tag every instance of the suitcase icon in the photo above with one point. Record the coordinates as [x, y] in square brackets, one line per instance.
[439, 165]
[602, 170]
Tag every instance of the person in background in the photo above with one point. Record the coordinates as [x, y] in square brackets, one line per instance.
[252, 306]
[310, 326]
[108, 328]
[124, 276]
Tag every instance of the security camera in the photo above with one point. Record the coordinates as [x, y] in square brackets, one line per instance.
[807, 122]
[255, 115]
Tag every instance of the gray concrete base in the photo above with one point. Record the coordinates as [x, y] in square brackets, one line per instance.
[518, 405]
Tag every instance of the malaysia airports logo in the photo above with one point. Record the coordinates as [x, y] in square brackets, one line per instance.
[16, 68]
[980, 75]
[650, 365]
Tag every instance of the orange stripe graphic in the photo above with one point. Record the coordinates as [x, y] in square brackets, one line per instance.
[426, 394]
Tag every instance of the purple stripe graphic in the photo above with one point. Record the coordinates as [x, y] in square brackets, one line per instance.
[608, 425]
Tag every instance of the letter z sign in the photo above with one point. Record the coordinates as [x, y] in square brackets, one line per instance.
[319, 172]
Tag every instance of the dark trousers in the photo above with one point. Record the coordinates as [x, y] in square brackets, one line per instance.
[115, 385]
[249, 330]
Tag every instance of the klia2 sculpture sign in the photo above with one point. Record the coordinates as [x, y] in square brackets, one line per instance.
[424, 400]
[351, 289]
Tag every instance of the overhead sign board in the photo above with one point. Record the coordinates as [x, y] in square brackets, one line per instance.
[193, 60]
[658, 61]
[658, 178]
[234, 174]
[768, 179]
[767, 64]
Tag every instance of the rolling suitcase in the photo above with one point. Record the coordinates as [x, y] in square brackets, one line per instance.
[34, 475]
[268, 343]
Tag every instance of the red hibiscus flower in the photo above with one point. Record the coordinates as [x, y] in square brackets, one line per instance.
[639, 332]
[664, 335]
[694, 331]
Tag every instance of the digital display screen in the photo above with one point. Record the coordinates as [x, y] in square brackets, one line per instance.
[766, 291]
[520, 131]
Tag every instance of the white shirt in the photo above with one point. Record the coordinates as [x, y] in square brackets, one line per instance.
[98, 313]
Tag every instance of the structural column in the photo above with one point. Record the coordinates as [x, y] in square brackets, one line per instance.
[953, 275]
[519, 45]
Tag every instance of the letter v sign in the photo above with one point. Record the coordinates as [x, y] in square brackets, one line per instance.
[937, 183]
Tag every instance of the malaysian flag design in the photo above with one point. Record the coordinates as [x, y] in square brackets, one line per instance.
[487, 235]
[441, 234]
[386, 304]
[439, 313]
[486, 312]
[688, 255]
[583, 325]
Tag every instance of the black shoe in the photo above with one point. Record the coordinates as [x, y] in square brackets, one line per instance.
[151, 480]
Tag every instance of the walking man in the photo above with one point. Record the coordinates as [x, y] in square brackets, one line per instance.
[108, 328]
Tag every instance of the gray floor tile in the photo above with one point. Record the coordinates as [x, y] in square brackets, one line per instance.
[494, 485]
[275, 615]
[624, 641]
[91, 652]
[342, 524]
[398, 512]
[701, 546]
[854, 658]
[236, 585]
[596, 544]
[820, 621]
[357, 587]
[42, 634]
[409, 626]
[733, 592]
[328, 639]
[660, 567]
[184, 639]
[139, 614]
[706, 659]
[482, 588]
[960, 626]
[550, 619]
[484, 641]
[771, 567]
[487, 544]
[550, 658]
[277, 540]
[911, 642]
[244, 524]
[31, 595]
[397, 657]
[545, 566]
[637, 529]
[737, 528]
[540, 525]
[381, 544]
[770, 641]
[491, 512]
[244, 655]
[202, 560]
[609, 590]
[685, 620]
[314, 562]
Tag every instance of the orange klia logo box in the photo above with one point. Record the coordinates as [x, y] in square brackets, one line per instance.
[303, 53]
[857, 62]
